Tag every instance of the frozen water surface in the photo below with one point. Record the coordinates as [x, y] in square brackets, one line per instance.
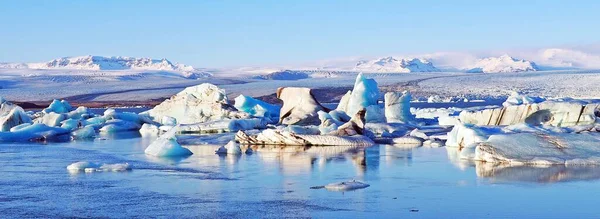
[418, 182]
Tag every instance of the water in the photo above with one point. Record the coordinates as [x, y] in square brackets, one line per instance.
[275, 182]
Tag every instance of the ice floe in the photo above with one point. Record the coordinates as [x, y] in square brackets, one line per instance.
[166, 146]
[89, 167]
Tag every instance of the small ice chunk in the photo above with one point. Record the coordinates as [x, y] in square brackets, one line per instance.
[149, 130]
[346, 186]
[89, 167]
[166, 146]
[117, 125]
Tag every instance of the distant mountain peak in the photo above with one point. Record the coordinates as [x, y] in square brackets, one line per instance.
[392, 64]
[502, 64]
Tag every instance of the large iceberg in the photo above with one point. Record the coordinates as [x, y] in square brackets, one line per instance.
[11, 115]
[397, 107]
[299, 106]
[166, 146]
[256, 107]
[540, 149]
[364, 94]
[201, 103]
[555, 113]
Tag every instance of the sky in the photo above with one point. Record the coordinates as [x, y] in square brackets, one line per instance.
[207, 33]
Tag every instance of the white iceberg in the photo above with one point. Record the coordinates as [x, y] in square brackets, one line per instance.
[166, 146]
[11, 115]
[517, 98]
[201, 103]
[465, 135]
[88, 167]
[540, 149]
[555, 113]
[299, 106]
[397, 107]
[51, 119]
[149, 130]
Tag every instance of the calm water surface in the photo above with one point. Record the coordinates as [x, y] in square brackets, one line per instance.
[275, 182]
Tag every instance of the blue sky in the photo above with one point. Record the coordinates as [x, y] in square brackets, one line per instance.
[238, 33]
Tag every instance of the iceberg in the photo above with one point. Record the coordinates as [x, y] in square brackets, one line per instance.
[230, 148]
[517, 98]
[202, 103]
[555, 113]
[117, 125]
[299, 106]
[35, 132]
[52, 119]
[58, 106]
[397, 107]
[11, 115]
[149, 130]
[540, 149]
[256, 107]
[466, 135]
[364, 94]
[166, 146]
[276, 137]
[88, 167]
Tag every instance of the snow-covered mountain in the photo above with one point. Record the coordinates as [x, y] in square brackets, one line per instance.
[97, 63]
[391, 64]
[503, 64]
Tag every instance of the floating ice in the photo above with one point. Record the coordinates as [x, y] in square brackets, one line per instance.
[51, 119]
[58, 106]
[275, 137]
[167, 120]
[465, 135]
[230, 148]
[365, 93]
[196, 104]
[299, 106]
[11, 115]
[555, 113]
[84, 133]
[517, 98]
[117, 125]
[70, 124]
[226, 125]
[166, 146]
[256, 107]
[397, 107]
[149, 130]
[344, 186]
[88, 167]
[35, 132]
[540, 149]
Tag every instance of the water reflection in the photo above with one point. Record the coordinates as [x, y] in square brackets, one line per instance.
[504, 173]
[306, 159]
[537, 174]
